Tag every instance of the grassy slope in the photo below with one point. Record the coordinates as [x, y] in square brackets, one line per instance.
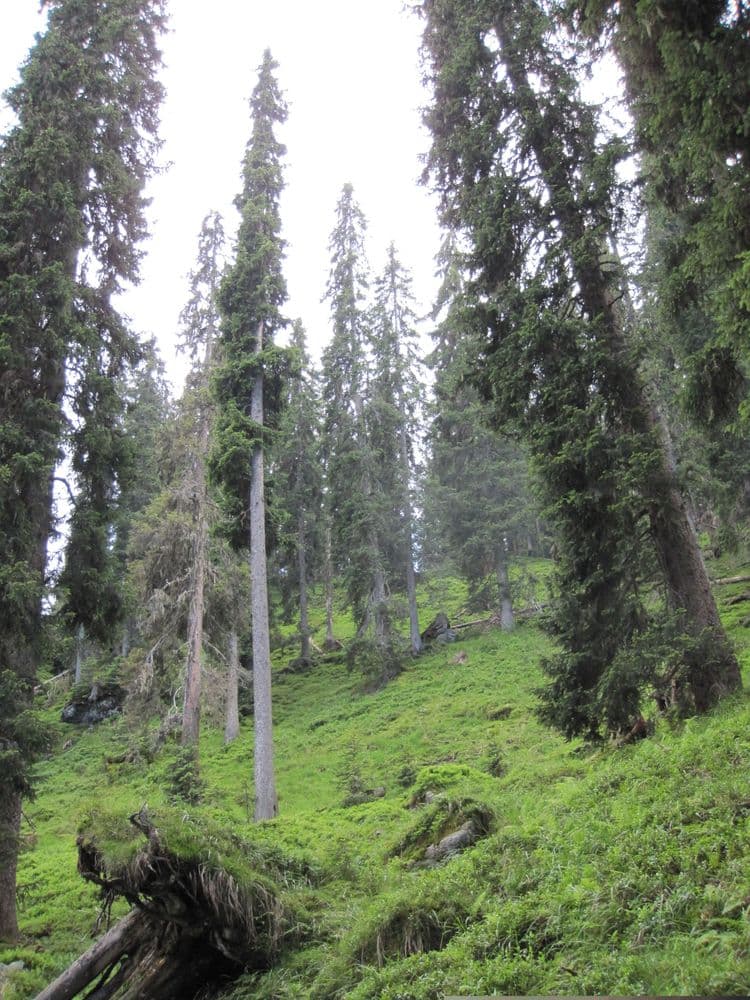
[620, 872]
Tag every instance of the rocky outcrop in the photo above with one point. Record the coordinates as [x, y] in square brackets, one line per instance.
[103, 701]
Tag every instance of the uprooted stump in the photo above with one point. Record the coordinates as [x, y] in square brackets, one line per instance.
[195, 926]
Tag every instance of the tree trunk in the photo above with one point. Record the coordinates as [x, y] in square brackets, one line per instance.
[713, 670]
[304, 625]
[191, 712]
[507, 620]
[330, 639]
[78, 670]
[232, 724]
[381, 627]
[103, 954]
[10, 831]
[411, 579]
[672, 531]
[266, 805]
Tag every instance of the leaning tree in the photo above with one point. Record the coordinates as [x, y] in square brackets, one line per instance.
[528, 178]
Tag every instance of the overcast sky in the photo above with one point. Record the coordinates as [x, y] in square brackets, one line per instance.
[350, 73]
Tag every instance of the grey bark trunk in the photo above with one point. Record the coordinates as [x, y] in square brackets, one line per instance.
[232, 722]
[380, 621]
[507, 618]
[78, 668]
[191, 711]
[415, 637]
[304, 625]
[266, 805]
[330, 638]
[125, 643]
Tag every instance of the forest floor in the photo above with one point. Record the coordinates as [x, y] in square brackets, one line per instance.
[594, 870]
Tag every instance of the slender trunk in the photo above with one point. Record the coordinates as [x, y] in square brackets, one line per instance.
[672, 531]
[232, 723]
[381, 626]
[191, 711]
[266, 805]
[125, 642]
[330, 639]
[507, 619]
[304, 625]
[411, 578]
[78, 668]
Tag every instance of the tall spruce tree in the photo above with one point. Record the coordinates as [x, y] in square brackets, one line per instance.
[72, 172]
[354, 504]
[249, 384]
[526, 175]
[396, 399]
[299, 488]
[200, 323]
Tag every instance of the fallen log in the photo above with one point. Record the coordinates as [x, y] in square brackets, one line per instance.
[737, 599]
[731, 579]
[102, 955]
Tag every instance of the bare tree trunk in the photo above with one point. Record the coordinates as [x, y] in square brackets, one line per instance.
[191, 711]
[304, 625]
[125, 643]
[78, 669]
[507, 619]
[232, 725]
[330, 639]
[380, 626]
[266, 805]
[415, 636]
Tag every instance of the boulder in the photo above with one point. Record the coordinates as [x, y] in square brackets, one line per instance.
[439, 630]
[103, 701]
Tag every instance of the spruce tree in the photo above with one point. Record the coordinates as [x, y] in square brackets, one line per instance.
[396, 400]
[355, 506]
[72, 172]
[525, 174]
[249, 384]
[200, 323]
[299, 488]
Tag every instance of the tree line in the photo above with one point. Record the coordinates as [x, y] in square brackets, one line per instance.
[588, 383]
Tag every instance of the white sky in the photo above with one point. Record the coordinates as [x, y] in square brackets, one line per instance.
[350, 73]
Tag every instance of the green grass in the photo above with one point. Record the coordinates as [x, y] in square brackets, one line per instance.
[605, 871]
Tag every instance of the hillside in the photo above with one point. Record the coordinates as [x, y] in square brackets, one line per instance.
[594, 869]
